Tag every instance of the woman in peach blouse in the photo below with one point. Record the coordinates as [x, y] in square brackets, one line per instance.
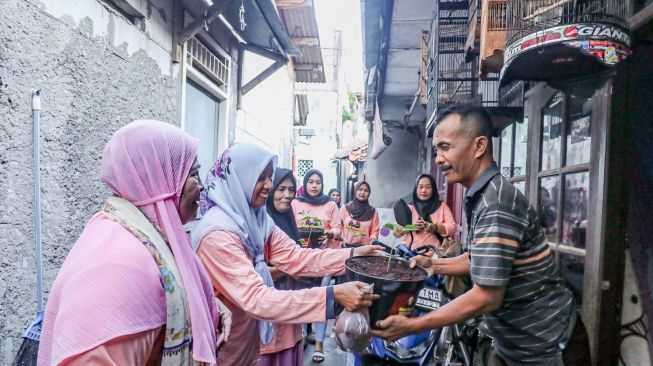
[285, 349]
[431, 217]
[238, 241]
[314, 204]
[360, 220]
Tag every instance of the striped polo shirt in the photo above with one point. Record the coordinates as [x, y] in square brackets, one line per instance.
[508, 248]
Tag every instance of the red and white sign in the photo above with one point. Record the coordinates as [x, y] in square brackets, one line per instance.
[609, 52]
[566, 33]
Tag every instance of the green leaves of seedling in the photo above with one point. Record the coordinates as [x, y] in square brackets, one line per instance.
[400, 229]
[313, 218]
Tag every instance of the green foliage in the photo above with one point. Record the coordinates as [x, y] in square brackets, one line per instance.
[348, 110]
[400, 229]
[346, 115]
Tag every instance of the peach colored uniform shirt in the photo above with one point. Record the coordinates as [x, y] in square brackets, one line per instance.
[441, 216]
[370, 228]
[285, 337]
[241, 289]
[327, 212]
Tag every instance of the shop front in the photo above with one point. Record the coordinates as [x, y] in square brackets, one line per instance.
[579, 148]
[575, 67]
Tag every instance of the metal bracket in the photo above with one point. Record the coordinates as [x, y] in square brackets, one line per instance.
[279, 61]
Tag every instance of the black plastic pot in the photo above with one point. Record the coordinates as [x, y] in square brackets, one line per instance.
[397, 296]
[309, 236]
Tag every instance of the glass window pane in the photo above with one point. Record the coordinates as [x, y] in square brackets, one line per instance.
[521, 185]
[551, 130]
[579, 126]
[575, 209]
[572, 268]
[440, 181]
[521, 136]
[548, 207]
[506, 151]
[202, 122]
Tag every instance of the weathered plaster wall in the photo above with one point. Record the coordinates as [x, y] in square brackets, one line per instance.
[97, 72]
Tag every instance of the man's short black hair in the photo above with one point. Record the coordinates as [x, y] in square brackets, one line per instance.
[474, 120]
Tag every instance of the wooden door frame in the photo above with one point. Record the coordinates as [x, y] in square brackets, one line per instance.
[603, 273]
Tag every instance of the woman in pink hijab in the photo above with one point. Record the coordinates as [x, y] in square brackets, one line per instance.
[132, 290]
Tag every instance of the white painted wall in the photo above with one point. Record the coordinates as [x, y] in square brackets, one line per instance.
[266, 116]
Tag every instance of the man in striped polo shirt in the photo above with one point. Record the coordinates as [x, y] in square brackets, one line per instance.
[526, 307]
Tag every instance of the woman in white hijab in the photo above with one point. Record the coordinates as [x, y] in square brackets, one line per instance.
[237, 240]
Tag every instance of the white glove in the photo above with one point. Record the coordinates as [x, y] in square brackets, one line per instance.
[225, 322]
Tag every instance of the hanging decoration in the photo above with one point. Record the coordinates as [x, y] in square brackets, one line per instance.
[241, 16]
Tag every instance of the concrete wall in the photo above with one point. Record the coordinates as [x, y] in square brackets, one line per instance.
[392, 175]
[97, 72]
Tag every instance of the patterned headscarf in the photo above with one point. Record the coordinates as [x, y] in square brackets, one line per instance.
[226, 205]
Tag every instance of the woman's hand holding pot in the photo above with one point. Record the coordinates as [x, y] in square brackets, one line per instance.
[366, 250]
[353, 295]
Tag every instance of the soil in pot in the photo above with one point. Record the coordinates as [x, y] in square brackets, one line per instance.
[377, 267]
[398, 284]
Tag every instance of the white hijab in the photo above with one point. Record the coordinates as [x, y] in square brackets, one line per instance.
[226, 205]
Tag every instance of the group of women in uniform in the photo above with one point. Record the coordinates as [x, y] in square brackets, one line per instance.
[137, 289]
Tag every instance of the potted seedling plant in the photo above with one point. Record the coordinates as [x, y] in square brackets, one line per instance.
[393, 279]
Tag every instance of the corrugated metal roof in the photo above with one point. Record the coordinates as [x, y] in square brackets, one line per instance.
[301, 24]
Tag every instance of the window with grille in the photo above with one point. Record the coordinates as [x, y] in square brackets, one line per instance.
[304, 166]
[212, 64]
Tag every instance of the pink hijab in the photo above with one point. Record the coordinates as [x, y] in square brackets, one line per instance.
[146, 163]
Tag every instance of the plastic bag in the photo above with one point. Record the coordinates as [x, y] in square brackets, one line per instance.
[352, 329]
[380, 141]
